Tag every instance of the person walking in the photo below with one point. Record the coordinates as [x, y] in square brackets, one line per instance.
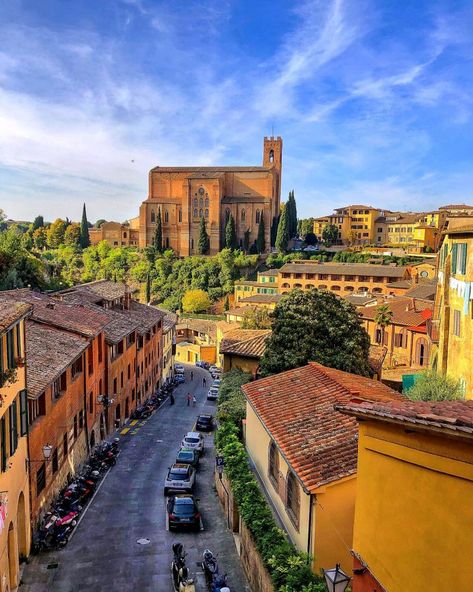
[189, 399]
[192, 375]
[204, 382]
[194, 401]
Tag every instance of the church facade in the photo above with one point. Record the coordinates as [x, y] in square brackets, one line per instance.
[186, 194]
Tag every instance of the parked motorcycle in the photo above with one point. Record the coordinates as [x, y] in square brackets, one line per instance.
[181, 580]
[215, 581]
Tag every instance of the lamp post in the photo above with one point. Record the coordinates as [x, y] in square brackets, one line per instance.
[336, 579]
[47, 451]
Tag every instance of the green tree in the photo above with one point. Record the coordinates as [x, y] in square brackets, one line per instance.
[230, 233]
[431, 386]
[56, 232]
[246, 240]
[148, 288]
[73, 236]
[196, 301]
[256, 318]
[274, 230]
[316, 325]
[204, 240]
[292, 214]
[261, 241]
[99, 222]
[304, 226]
[282, 237]
[383, 319]
[38, 222]
[158, 233]
[330, 234]
[310, 239]
[40, 238]
[84, 230]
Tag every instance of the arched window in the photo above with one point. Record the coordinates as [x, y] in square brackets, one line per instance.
[196, 203]
[258, 215]
[273, 464]
[271, 156]
[336, 288]
[292, 498]
[207, 213]
[377, 290]
[196, 213]
[166, 216]
[422, 352]
[243, 215]
[322, 287]
[297, 285]
[192, 244]
[207, 202]
[201, 202]
[227, 215]
[285, 285]
[201, 213]
[180, 215]
[167, 242]
[153, 216]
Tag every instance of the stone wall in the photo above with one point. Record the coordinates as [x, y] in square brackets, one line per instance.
[255, 571]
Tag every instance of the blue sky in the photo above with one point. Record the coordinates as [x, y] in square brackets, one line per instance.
[374, 99]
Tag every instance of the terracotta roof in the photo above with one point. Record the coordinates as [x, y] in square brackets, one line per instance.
[49, 351]
[423, 291]
[105, 289]
[200, 325]
[169, 321]
[11, 311]
[406, 311]
[460, 225]
[210, 169]
[345, 268]
[452, 417]
[249, 343]
[262, 298]
[51, 311]
[269, 272]
[360, 299]
[143, 315]
[251, 283]
[297, 408]
[456, 207]
[240, 311]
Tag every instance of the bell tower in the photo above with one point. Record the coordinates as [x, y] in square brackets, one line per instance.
[272, 158]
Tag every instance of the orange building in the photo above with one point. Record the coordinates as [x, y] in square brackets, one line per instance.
[116, 235]
[184, 195]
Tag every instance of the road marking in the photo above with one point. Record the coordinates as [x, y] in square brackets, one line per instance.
[125, 431]
[133, 422]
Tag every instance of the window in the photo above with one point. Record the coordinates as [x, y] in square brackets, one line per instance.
[243, 215]
[91, 403]
[196, 203]
[398, 340]
[115, 384]
[456, 323]
[180, 215]
[81, 419]
[201, 213]
[129, 371]
[40, 479]
[166, 216]
[76, 367]
[3, 436]
[54, 462]
[273, 464]
[206, 213]
[130, 339]
[258, 216]
[271, 156]
[121, 379]
[207, 203]
[90, 360]
[153, 217]
[23, 413]
[292, 498]
[196, 212]
[167, 242]
[378, 336]
[100, 348]
[13, 417]
[10, 350]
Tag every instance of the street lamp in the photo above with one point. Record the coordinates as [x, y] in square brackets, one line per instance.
[336, 579]
[105, 400]
[47, 451]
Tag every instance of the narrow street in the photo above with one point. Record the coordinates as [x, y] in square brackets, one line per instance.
[103, 554]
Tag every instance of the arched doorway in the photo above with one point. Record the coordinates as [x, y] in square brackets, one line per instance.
[92, 438]
[422, 352]
[12, 557]
[22, 528]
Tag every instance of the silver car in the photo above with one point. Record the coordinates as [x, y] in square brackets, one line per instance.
[193, 440]
[180, 477]
[212, 395]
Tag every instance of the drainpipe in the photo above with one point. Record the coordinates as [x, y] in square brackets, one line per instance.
[309, 534]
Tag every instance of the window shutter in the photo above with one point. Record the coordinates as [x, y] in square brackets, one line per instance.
[3, 436]
[463, 258]
[23, 413]
[454, 258]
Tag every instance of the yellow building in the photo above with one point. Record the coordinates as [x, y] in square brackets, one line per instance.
[342, 222]
[305, 454]
[115, 234]
[196, 341]
[168, 345]
[245, 288]
[243, 349]
[452, 327]
[413, 517]
[15, 535]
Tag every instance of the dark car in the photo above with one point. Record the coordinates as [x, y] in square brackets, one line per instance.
[188, 456]
[183, 512]
[204, 422]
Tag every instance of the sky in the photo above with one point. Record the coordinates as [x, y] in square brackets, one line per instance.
[373, 99]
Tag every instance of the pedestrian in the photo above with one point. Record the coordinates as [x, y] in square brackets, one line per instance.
[172, 399]
[204, 382]
[189, 399]
[194, 401]
[192, 375]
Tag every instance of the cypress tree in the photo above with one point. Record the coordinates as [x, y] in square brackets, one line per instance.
[38, 222]
[230, 234]
[282, 237]
[204, 240]
[148, 288]
[84, 230]
[246, 240]
[274, 230]
[292, 214]
[260, 241]
[158, 233]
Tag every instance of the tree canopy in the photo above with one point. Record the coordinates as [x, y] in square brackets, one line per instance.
[330, 234]
[282, 237]
[256, 318]
[84, 230]
[230, 233]
[204, 240]
[316, 326]
[196, 301]
[430, 386]
[158, 233]
[261, 241]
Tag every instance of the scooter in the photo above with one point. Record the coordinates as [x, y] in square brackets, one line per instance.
[180, 574]
[215, 581]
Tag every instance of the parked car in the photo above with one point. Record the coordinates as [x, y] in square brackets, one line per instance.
[212, 395]
[183, 512]
[216, 382]
[200, 364]
[178, 368]
[188, 456]
[180, 378]
[205, 422]
[195, 441]
[180, 477]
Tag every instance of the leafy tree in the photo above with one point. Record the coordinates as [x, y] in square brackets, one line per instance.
[230, 233]
[383, 318]
[158, 234]
[282, 238]
[316, 325]
[261, 241]
[253, 248]
[84, 230]
[330, 234]
[73, 236]
[40, 238]
[304, 226]
[310, 239]
[256, 318]
[231, 400]
[226, 304]
[246, 240]
[196, 301]
[99, 222]
[56, 233]
[148, 288]
[204, 240]
[38, 222]
[431, 386]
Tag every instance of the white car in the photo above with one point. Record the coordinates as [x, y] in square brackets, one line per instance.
[193, 440]
[180, 477]
[212, 395]
[216, 383]
[178, 368]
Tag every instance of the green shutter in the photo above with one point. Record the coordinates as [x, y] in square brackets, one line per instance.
[3, 437]
[454, 258]
[464, 250]
[23, 413]
[13, 428]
